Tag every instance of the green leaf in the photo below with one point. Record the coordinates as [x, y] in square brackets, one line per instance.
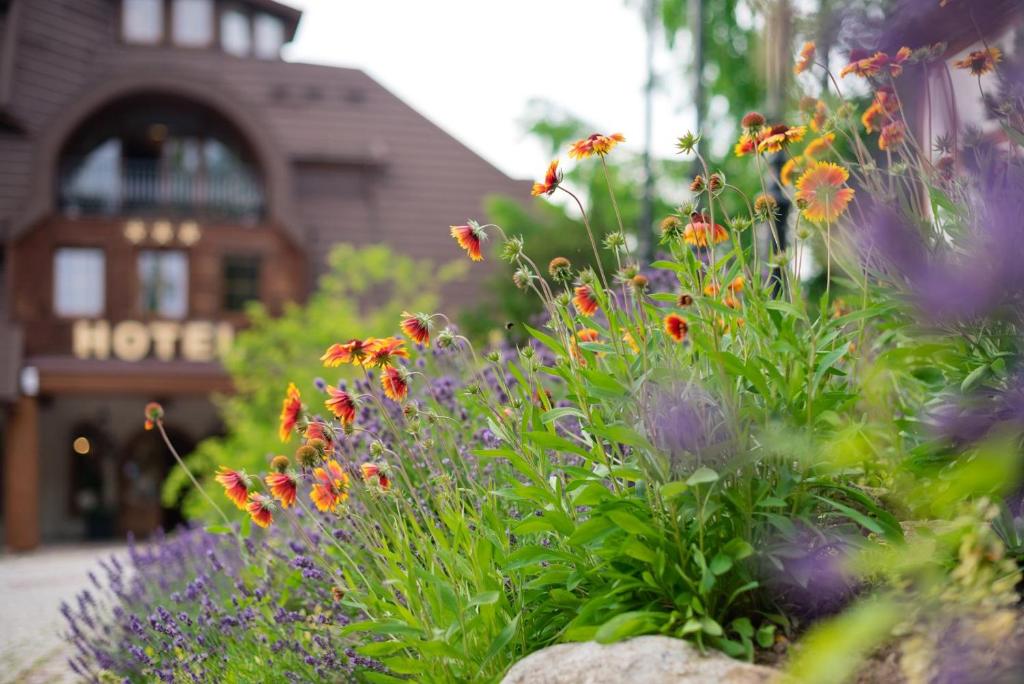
[974, 378]
[484, 598]
[626, 625]
[632, 524]
[720, 564]
[702, 475]
[218, 529]
[827, 363]
[502, 640]
[670, 490]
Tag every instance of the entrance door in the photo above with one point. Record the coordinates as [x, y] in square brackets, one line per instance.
[145, 464]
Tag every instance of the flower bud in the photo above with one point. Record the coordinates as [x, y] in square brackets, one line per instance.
[560, 269]
[279, 463]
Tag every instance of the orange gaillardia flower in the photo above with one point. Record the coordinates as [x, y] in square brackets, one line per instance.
[820, 115]
[290, 409]
[587, 335]
[374, 475]
[470, 237]
[341, 404]
[806, 59]
[892, 135]
[385, 351]
[747, 144]
[981, 62]
[353, 351]
[778, 137]
[395, 382]
[712, 289]
[819, 145]
[551, 180]
[628, 338]
[821, 192]
[330, 486]
[676, 327]
[416, 327]
[793, 166]
[585, 300]
[284, 486]
[235, 483]
[700, 232]
[261, 509]
[737, 284]
[867, 67]
[595, 144]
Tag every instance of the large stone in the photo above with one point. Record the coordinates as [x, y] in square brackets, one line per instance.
[643, 660]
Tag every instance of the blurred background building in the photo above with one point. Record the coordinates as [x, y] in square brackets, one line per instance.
[161, 167]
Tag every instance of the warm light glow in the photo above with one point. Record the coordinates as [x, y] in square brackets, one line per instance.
[81, 446]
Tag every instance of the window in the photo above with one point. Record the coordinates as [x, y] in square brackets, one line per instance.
[235, 33]
[269, 36]
[142, 21]
[193, 23]
[241, 281]
[79, 281]
[163, 283]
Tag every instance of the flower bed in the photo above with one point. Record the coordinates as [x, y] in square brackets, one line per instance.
[736, 460]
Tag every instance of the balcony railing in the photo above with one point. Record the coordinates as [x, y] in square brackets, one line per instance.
[143, 188]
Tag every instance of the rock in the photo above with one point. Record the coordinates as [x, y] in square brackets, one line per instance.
[646, 660]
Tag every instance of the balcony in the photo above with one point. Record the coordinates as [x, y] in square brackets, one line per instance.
[143, 188]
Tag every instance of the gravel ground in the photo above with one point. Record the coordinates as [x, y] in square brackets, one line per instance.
[32, 585]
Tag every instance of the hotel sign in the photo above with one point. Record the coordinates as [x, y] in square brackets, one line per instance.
[163, 340]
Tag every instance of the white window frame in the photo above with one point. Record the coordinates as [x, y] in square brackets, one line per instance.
[182, 20]
[147, 36]
[67, 283]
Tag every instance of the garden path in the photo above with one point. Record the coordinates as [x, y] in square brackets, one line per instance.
[32, 586]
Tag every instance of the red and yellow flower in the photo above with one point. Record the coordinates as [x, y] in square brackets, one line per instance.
[353, 351]
[981, 62]
[747, 144]
[341, 404]
[676, 327]
[330, 486]
[821, 192]
[385, 351]
[551, 180]
[806, 58]
[865, 67]
[375, 475]
[416, 327]
[284, 486]
[701, 232]
[585, 300]
[587, 335]
[793, 166]
[470, 237]
[235, 483]
[892, 135]
[596, 144]
[777, 137]
[395, 382]
[261, 509]
[290, 410]
[870, 66]
[820, 116]
[819, 145]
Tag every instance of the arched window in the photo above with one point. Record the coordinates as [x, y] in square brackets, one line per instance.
[159, 155]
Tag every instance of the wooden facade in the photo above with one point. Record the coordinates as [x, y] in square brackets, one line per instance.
[326, 154]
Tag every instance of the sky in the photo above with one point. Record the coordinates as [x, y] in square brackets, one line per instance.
[473, 66]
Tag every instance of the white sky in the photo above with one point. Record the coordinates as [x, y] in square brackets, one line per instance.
[471, 66]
